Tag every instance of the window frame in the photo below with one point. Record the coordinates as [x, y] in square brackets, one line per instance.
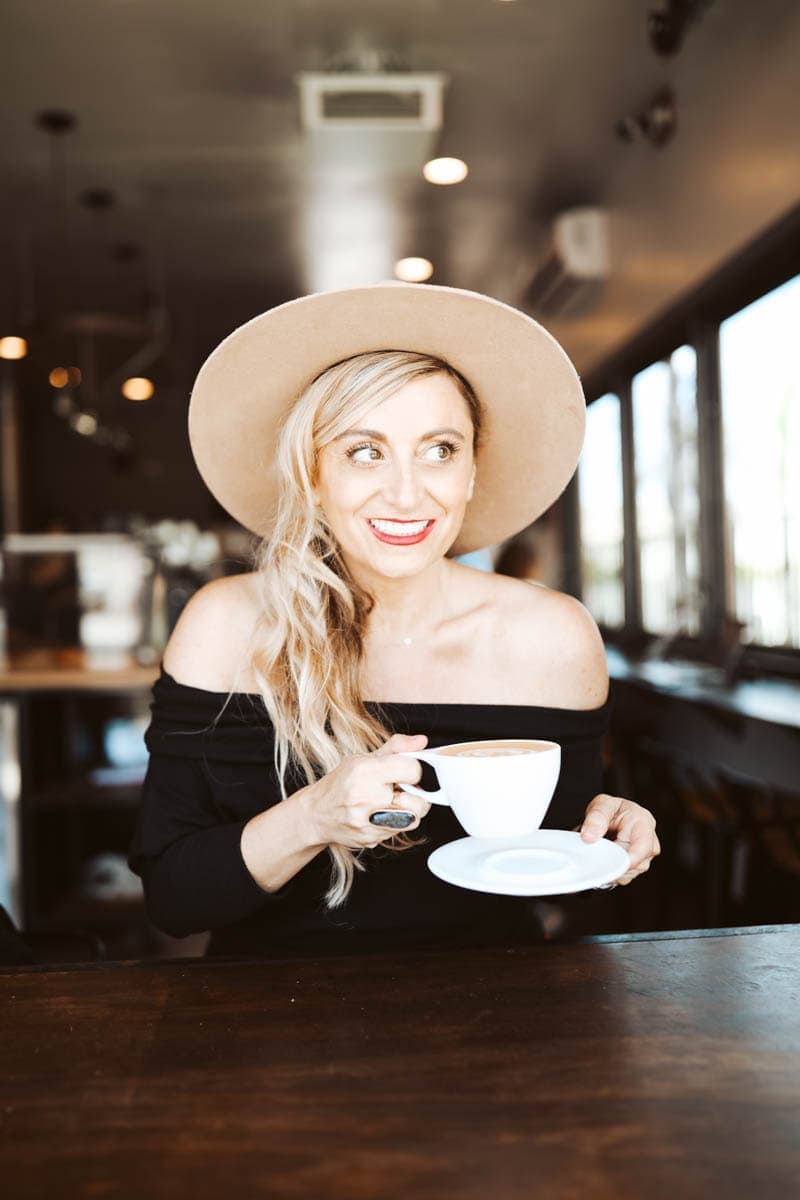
[763, 265]
[575, 580]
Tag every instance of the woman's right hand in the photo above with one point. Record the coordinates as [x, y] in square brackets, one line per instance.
[338, 806]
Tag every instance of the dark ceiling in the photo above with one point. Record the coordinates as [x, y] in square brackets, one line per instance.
[187, 113]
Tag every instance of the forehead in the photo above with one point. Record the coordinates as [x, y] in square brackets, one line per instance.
[425, 403]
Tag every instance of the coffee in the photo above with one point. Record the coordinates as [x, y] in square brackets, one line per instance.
[496, 749]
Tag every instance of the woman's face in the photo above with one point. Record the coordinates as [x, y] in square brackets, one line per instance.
[395, 489]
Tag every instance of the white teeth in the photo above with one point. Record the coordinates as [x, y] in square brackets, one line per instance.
[399, 528]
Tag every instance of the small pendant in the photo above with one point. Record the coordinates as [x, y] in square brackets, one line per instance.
[407, 641]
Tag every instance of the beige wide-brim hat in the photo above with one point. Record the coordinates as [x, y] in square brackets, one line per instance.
[535, 411]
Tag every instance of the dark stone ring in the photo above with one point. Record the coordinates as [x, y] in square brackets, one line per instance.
[394, 818]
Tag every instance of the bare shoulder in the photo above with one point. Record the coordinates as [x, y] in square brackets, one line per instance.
[211, 642]
[550, 644]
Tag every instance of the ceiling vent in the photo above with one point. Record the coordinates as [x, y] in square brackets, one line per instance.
[570, 276]
[390, 100]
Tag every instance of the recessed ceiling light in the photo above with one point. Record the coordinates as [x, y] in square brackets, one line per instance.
[84, 423]
[413, 270]
[13, 347]
[137, 388]
[445, 170]
[58, 377]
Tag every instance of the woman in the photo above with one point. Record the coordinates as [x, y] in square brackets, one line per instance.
[286, 693]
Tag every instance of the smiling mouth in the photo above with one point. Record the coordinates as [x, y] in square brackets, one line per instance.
[399, 533]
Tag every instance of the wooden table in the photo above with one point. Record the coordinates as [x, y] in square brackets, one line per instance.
[650, 1066]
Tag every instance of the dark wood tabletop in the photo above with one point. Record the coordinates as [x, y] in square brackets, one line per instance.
[644, 1067]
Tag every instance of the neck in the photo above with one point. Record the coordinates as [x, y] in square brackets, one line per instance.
[410, 607]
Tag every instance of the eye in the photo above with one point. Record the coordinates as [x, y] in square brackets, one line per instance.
[441, 452]
[366, 453]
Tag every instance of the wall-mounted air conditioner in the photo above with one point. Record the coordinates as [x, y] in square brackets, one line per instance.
[576, 264]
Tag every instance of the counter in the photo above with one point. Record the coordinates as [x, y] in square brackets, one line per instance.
[69, 672]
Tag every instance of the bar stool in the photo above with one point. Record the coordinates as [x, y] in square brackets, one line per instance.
[26, 948]
[642, 770]
[724, 848]
[769, 818]
[697, 827]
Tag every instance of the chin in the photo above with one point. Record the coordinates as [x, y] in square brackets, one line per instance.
[397, 569]
[396, 562]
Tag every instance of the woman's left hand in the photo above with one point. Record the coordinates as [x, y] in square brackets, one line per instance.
[633, 827]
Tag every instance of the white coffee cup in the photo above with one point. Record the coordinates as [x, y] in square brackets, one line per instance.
[499, 788]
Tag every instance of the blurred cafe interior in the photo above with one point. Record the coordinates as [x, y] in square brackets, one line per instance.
[628, 174]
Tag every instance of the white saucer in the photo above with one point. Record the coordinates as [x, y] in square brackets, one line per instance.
[549, 862]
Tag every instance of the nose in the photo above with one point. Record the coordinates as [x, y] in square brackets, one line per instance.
[402, 486]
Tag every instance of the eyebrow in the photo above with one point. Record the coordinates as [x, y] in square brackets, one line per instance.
[377, 436]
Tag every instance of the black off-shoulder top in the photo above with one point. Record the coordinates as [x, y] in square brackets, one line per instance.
[211, 770]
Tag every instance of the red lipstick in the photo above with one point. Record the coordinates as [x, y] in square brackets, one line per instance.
[397, 540]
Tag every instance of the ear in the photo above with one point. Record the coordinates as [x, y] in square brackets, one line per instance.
[472, 483]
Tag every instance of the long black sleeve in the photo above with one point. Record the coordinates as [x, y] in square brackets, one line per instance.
[191, 866]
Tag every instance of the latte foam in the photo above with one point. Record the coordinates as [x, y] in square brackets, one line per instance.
[496, 749]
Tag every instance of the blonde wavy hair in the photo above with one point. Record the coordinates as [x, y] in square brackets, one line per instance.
[309, 635]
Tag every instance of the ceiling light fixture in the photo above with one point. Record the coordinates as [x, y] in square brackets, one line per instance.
[668, 22]
[84, 423]
[445, 171]
[138, 388]
[413, 270]
[13, 348]
[656, 123]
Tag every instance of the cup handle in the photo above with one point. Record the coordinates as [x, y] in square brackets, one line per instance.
[437, 797]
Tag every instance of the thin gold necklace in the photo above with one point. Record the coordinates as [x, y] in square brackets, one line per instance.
[406, 640]
[396, 641]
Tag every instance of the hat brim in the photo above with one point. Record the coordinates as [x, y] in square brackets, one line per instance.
[535, 411]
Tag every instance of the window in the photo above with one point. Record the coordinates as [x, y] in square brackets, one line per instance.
[667, 496]
[760, 386]
[601, 514]
[713, 543]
